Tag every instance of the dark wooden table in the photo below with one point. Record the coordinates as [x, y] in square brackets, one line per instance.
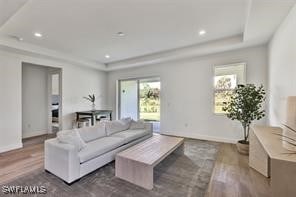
[93, 114]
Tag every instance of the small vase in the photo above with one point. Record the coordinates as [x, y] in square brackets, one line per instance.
[93, 107]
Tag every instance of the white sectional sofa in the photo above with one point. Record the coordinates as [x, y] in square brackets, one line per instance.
[97, 146]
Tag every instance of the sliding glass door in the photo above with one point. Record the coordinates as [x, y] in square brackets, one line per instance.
[140, 99]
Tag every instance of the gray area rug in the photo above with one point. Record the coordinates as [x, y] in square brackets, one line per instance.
[180, 174]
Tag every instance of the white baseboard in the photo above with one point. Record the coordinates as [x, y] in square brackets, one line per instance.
[11, 147]
[35, 133]
[202, 137]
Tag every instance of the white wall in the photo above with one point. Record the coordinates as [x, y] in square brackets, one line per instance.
[187, 92]
[77, 82]
[34, 100]
[282, 68]
[10, 103]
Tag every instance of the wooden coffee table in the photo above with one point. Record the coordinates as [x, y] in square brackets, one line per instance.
[136, 163]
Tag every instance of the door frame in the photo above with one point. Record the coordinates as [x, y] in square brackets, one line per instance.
[49, 92]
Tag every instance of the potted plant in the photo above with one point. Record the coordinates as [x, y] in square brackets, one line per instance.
[245, 105]
[92, 99]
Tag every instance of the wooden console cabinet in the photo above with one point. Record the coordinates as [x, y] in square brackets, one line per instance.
[268, 157]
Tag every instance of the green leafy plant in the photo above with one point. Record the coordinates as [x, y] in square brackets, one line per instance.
[91, 98]
[245, 105]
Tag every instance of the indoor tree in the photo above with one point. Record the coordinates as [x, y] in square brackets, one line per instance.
[245, 105]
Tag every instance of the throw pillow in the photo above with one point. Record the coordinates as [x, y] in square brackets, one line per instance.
[137, 124]
[91, 133]
[71, 137]
[126, 120]
[117, 125]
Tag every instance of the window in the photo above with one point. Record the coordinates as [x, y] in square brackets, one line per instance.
[227, 77]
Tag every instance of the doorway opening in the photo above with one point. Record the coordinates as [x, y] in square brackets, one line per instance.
[54, 93]
[41, 100]
[140, 99]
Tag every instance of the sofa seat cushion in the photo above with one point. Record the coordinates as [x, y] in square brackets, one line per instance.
[130, 135]
[98, 147]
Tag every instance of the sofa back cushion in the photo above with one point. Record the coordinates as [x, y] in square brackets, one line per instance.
[71, 137]
[140, 124]
[117, 125]
[92, 133]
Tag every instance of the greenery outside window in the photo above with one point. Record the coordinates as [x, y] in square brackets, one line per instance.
[226, 78]
[150, 100]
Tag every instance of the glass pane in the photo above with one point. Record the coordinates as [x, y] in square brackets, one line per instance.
[226, 79]
[224, 86]
[220, 98]
[225, 82]
[150, 100]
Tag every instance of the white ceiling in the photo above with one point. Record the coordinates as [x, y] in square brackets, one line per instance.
[264, 16]
[87, 29]
[8, 8]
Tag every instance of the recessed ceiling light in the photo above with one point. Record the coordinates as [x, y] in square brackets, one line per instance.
[202, 32]
[120, 33]
[37, 34]
[107, 56]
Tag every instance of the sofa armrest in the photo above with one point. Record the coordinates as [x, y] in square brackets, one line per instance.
[148, 126]
[61, 160]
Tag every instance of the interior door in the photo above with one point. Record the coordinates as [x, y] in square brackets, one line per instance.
[128, 92]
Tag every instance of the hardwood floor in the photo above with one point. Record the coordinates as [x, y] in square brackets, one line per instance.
[22, 161]
[231, 176]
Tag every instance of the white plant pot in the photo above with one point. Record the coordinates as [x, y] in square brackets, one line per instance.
[242, 147]
[289, 136]
[93, 107]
